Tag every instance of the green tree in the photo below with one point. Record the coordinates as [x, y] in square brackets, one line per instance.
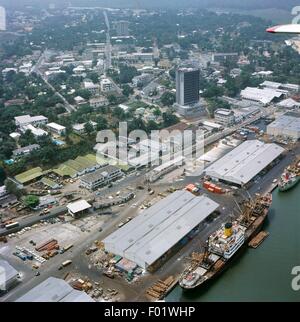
[169, 119]
[88, 128]
[168, 99]
[112, 99]
[12, 188]
[2, 176]
[31, 201]
[127, 90]
[101, 123]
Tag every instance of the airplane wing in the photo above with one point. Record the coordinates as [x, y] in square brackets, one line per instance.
[285, 29]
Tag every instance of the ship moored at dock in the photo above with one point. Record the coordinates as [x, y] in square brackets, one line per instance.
[224, 244]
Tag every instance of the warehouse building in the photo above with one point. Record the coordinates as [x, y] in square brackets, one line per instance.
[78, 208]
[9, 276]
[245, 162]
[150, 238]
[165, 168]
[101, 177]
[54, 290]
[29, 176]
[80, 166]
[287, 125]
[264, 96]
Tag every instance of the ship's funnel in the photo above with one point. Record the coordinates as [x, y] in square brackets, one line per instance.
[228, 229]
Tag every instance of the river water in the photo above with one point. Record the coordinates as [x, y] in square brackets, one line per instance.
[262, 274]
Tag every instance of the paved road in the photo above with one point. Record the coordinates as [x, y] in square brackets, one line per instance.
[31, 220]
[36, 69]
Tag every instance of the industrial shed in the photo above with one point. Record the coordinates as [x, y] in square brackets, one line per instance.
[54, 290]
[152, 234]
[243, 163]
[9, 276]
[30, 175]
[287, 125]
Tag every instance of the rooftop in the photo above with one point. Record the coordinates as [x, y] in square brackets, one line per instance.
[289, 121]
[101, 173]
[265, 95]
[54, 290]
[29, 119]
[78, 206]
[26, 149]
[157, 229]
[56, 126]
[29, 175]
[7, 272]
[244, 162]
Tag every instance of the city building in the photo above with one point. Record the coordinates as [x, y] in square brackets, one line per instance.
[223, 57]
[149, 238]
[9, 276]
[187, 90]
[94, 89]
[135, 58]
[80, 127]
[14, 102]
[265, 96]
[287, 125]
[56, 128]
[78, 208]
[2, 19]
[164, 168]
[45, 202]
[79, 100]
[122, 28]
[100, 177]
[106, 85]
[26, 150]
[224, 116]
[98, 102]
[37, 132]
[54, 290]
[279, 86]
[141, 80]
[8, 200]
[24, 120]
[245, 162]
[288, 103]
[15, 135]
[78, 167]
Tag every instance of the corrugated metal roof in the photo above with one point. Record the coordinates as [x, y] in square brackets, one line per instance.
[148, 236]
[7, 272]
[244, 162]
[78, 206]
[54, 290]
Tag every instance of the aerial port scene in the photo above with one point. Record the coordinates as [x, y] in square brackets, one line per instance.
[149, 152]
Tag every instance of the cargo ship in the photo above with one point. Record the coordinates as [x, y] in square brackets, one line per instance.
[225, 243]
[290, 178]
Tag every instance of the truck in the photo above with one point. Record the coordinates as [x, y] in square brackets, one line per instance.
[68, 247]
[12, 225]
[65, 264]
[20, 255]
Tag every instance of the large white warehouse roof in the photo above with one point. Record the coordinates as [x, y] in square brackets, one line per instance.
[286, 125]
[244, 162]
[157, 229]
[265, 95]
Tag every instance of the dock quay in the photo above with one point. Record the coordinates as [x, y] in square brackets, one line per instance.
[161, 288]
[258, 239]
